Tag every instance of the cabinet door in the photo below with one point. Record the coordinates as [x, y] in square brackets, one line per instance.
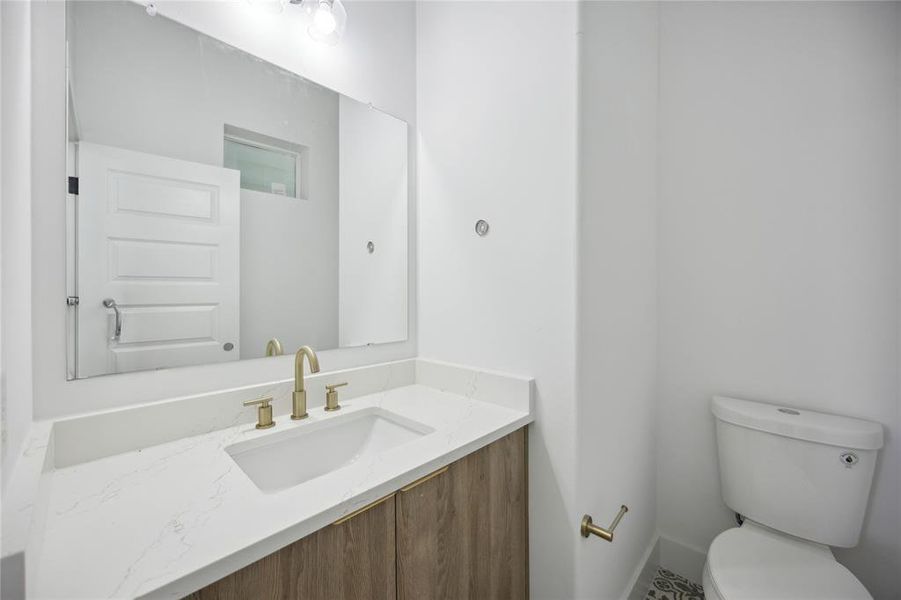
[462, 533]
[350, 560]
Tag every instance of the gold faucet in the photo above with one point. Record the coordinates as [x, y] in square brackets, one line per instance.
[274, 347]
[300, 394]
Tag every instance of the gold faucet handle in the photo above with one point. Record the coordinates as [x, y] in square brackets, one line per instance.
[264, 413]
[331, 396]
[263, 401]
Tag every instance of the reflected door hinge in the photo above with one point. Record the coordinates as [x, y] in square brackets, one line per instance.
[72, 301]
[73, 185]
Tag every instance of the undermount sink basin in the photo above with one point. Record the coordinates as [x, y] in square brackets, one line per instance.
[283, 460]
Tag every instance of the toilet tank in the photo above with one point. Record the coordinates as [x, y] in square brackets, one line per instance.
[801, 472]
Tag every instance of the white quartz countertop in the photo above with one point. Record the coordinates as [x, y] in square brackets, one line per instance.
[170, 518]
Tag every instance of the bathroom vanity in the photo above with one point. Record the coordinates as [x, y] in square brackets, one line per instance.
[459, 532]
[416, 487]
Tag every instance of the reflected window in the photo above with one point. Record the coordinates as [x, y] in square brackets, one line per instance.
[264, 168]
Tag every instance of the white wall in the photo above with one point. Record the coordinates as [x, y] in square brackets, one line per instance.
[617, 327]
[372, 298]
[152, 85]
[15, 222]
[778, 247]
[375, 62]
[778, 229]
[497, 117]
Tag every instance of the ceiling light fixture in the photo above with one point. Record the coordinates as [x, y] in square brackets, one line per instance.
[328, 19]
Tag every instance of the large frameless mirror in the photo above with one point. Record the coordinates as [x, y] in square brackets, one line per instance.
[221, 208]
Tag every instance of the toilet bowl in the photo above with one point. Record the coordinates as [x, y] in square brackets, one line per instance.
[801, 480]
[753, 562]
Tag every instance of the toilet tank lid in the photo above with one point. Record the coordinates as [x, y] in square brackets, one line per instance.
[796, 423]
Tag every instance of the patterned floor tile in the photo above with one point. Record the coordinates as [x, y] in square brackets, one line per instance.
[670, 586]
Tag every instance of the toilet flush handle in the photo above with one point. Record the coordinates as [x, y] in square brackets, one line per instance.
[589, 528]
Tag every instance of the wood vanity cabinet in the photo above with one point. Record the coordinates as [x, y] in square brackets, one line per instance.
[353, 560]
[464, 533]
[459, 533]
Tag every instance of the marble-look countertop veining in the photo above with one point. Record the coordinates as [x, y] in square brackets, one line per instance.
[165, 520]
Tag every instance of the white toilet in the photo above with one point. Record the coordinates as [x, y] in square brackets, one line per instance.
[800, 479]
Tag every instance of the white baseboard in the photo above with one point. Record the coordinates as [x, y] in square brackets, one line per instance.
[682, 559]
[644, 575]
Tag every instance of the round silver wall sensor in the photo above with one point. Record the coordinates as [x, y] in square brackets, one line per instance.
[482, 227]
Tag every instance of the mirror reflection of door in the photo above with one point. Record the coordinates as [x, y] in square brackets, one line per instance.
[223, 202]
[158, 237]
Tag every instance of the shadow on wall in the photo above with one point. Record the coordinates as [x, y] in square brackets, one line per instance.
[546, 503]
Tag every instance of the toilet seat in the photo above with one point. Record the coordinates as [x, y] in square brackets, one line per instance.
[753, 562]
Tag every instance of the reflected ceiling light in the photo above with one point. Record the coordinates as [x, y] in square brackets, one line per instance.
[324, 21]
[328, 19]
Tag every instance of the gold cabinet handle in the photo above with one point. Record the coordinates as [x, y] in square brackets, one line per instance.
[589, 528]
[422, 480]
[264, 414]
[360, 511]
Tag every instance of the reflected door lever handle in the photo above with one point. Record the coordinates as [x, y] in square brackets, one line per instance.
[110, 303]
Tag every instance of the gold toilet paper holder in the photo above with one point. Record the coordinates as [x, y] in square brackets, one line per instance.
[589, 528]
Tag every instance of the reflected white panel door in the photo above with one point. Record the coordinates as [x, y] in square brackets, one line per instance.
[158, 236]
